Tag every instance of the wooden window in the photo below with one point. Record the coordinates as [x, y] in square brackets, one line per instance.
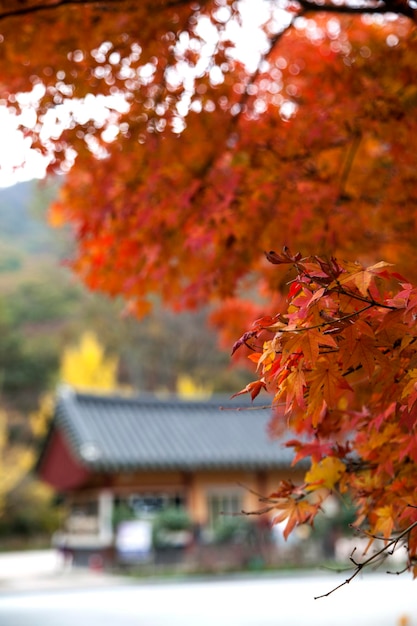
[221, 504]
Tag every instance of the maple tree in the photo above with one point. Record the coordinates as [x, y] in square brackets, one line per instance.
[85, 367]
[205, 156]
[184, 161]
[341, 364]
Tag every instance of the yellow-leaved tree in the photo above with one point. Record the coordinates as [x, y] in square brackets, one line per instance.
[15, 461]
[86, 366]
[190, 389]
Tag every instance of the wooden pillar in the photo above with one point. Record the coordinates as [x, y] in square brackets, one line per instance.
[105, 517]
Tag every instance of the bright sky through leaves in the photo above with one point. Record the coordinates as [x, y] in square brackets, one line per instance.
[19, 162]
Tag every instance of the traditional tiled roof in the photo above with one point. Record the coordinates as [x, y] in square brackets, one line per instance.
[118, 433]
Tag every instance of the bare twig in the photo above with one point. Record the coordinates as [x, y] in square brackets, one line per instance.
[386, 550]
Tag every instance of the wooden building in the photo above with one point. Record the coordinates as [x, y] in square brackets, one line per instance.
[148, 453]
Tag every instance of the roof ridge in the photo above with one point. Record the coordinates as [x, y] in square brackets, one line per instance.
[65, 392]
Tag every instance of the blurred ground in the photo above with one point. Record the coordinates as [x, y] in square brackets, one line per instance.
[46, 569]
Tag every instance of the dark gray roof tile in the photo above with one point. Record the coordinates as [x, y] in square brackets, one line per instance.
[147, 432]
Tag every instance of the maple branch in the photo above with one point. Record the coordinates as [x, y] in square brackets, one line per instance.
[341, 290]
[258, 512]
[234, 120]
[385, 550]
[248, 408]
[356, 296]
[47, 6]
[299, 267]
[336, 320]
[255, 493]
[347, 166]
[400, 7]
[387, 6]
[273, 42]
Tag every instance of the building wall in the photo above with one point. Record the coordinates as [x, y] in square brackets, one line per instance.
[248, 486]
[199, 488]
[90, 529]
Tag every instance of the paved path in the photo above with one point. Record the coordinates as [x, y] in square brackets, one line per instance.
[374, 600]
[45, 569]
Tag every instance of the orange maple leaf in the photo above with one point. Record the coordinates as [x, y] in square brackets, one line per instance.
[296, 512]
[385, 521]
[363, 277]
[325, 384]
[308, 342]
[254, 388]
[292, 388]
[360, 348]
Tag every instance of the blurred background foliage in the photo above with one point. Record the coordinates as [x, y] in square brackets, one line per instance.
[53, 331]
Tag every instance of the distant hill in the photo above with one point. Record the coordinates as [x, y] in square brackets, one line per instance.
[23, 223]
[44, 308]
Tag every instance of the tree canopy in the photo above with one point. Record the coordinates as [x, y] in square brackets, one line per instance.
[207, 155]
[196, 136]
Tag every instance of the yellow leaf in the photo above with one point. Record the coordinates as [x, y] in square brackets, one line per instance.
[325, 473]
